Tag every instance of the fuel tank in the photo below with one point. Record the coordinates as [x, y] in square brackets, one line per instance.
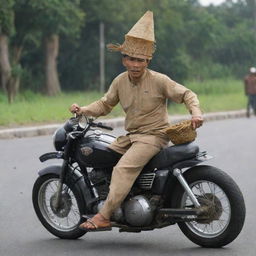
[93, 151]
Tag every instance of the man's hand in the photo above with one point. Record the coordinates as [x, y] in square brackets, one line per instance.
[75, 109]
[197, 121]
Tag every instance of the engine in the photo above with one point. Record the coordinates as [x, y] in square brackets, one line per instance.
[100, 178]
[136, 211]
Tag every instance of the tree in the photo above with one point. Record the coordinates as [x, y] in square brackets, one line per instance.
[170, 57]
[190, 39]
[251, 4]
[8, 81]
[235, 47]
[118, 19]
[55, 18]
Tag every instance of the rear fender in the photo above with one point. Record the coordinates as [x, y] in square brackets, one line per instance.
[200, 157]
[75, 180]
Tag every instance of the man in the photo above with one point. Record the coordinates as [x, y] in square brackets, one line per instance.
[250, 90]
[142, 94]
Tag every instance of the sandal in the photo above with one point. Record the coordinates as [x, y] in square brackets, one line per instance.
[94, 227]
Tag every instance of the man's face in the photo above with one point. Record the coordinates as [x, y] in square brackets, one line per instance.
[135, 66]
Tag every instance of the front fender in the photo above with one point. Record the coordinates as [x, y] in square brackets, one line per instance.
[53, 169]
[76, 181]
[51, 155]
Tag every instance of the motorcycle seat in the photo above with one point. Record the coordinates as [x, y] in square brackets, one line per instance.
[171, 155]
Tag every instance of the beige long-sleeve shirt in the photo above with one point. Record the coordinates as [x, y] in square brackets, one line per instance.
[145, 102]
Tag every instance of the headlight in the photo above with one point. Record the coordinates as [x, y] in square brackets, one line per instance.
[83, 121]
[59, 139]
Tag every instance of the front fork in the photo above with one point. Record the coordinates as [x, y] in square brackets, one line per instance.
[64, 168]
[178, 174]
[88, 192]
[56, 202]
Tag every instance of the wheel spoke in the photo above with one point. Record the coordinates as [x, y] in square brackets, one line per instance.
[226, 210]
[50, 185]
[212, 187]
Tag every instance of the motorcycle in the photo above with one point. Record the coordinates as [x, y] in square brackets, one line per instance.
[173, 188]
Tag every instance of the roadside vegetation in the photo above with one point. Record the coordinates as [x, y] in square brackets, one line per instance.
[57, 48]
[35, 108]
[215, 95]
[55, 57]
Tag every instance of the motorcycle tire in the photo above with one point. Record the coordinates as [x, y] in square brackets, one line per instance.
[63, 223]
[214, 187]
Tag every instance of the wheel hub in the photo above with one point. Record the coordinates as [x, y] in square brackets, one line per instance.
[212, 206]
[64, 206]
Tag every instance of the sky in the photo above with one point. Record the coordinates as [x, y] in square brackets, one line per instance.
[207, 2]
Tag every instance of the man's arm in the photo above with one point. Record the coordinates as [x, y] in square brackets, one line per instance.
[180, 94]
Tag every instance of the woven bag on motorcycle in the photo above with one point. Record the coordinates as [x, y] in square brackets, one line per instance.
[181, 132]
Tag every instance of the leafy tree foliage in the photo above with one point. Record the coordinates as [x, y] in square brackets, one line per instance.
[193, 42]
[9, 83]
[6, 17]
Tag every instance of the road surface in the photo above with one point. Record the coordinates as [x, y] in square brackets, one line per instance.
[231, 142]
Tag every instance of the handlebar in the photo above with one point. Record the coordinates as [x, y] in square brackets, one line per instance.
[90, 122]
[100, 125]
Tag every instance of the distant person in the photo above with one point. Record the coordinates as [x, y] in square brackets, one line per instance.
[250, 90]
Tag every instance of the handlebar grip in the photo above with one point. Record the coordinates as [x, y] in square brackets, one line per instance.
[104, 126]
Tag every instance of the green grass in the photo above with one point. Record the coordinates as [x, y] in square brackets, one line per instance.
[32, 108]
[216, 86]
[214, 103]
[215, 95]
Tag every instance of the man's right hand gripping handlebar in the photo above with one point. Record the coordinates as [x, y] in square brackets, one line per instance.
[76, 109]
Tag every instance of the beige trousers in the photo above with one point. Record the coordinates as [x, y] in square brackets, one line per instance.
[137, 150]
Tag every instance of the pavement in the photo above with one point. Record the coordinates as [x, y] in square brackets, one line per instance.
[30, 131]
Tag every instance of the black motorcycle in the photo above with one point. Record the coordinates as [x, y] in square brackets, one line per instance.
[172, 189]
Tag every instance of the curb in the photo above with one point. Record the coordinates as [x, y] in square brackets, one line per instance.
[115, 122]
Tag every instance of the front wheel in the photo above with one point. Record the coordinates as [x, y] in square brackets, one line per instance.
[64, 221]
[225, 215]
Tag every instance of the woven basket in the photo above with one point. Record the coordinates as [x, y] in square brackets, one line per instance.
[180, 133]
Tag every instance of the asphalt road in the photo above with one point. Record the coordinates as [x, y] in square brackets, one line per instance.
[231, 142]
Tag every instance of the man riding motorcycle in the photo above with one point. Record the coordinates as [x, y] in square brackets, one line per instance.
[142, 94]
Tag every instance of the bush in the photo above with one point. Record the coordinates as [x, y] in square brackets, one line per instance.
[206, 70]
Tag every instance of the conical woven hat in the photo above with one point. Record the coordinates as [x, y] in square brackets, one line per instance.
[144, 28]
[140, 40]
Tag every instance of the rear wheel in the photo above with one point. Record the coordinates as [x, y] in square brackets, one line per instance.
[64, 221]
[225, 215]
